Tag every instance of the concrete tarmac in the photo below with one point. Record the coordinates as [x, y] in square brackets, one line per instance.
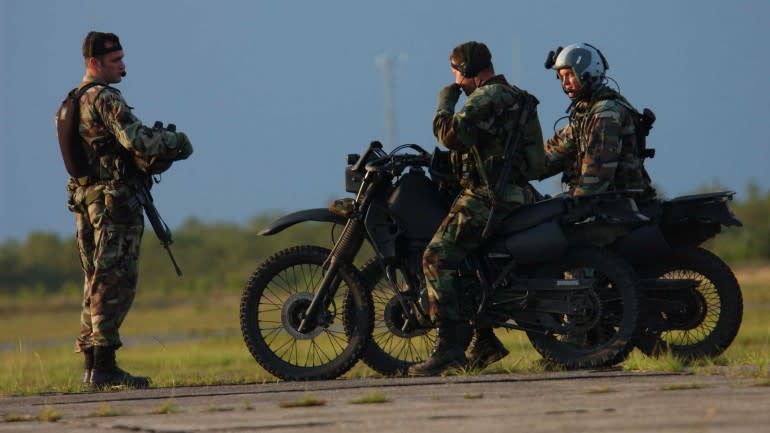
[581, 401]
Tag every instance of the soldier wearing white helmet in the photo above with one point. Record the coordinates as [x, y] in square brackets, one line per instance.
[602, 147]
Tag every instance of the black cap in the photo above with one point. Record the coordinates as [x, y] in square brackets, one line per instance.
[98, 43]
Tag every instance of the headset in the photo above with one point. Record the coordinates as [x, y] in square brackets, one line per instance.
[550, 59]
[469, 68]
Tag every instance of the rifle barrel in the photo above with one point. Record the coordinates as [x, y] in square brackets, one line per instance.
[160, 228]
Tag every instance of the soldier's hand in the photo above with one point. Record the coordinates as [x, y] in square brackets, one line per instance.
[448, 96]
[184, 146]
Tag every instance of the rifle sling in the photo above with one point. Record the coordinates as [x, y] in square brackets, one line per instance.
[510, 154]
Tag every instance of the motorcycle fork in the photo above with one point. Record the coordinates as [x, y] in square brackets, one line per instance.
[344, 250]
[410, 306]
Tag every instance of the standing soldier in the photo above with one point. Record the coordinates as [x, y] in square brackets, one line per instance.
[599, 150]
[108, 148]
[477, 137]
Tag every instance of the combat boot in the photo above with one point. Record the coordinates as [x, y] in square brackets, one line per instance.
[447, 354]
[106, 372]
[485, 349]
[88, 355]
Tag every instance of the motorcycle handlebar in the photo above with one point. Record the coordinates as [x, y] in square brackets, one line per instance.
[396, 163]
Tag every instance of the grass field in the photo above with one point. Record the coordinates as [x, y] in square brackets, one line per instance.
[182, 340]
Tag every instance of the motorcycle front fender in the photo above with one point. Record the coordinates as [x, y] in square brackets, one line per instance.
[286, 221]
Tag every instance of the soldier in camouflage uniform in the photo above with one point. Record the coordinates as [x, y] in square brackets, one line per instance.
[598, 150]
[109, 231]
[476, 137]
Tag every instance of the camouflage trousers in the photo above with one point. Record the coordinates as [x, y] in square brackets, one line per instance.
[108, 238]
[458, 236]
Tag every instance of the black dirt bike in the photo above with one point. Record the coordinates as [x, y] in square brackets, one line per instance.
[696, 320]
[306, 313]
[692, 299]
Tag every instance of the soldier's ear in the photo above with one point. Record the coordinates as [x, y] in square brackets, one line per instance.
[95, 62]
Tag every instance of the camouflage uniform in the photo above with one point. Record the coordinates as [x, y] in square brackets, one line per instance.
[598, 150]
[109, 232]
[475, 135]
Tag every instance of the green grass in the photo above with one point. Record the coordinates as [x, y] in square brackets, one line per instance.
[306, 401]
[668, 363]
[11, 417]
[48, 414]
[168, 407]
[682, 386]
[211, 350]
[212, 409]
[106, 410]
[372, 397]
[601, 390]
[152, 315]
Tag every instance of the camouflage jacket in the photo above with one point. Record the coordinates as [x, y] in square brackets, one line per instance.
[597, 151]
[114, 136]
[481, 127]
[114, 140]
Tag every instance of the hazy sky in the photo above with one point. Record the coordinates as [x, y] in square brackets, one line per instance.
[274, 94]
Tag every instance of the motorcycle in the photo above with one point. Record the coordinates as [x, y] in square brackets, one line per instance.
[693, 301]
[700, 320]
[307, 313]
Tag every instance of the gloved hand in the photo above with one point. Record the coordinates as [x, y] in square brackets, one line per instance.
[448, 96]
[184, 146]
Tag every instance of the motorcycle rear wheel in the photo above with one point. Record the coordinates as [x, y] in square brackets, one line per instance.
[392, 351]
[273, 305]
[719, 300]
[614, 330]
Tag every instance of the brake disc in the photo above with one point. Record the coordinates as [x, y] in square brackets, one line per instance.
[293, 312]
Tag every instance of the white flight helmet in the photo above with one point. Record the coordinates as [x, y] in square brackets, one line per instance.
[586, 61]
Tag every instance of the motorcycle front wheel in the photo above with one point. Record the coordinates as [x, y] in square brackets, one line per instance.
[273, 305]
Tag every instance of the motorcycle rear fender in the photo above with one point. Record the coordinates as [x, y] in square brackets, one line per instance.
[286, 221]
[710, 208]
[607, 208]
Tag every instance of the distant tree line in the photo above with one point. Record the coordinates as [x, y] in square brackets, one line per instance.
[749, 244]
[211, 255]
[223, 256]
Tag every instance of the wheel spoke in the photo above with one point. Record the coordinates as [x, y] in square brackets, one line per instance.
[273, 306]
[711, 302]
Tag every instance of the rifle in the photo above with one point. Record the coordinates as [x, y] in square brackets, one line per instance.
[142, 197]
[510, 158]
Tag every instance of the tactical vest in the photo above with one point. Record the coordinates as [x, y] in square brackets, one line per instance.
[108, 161]
[630, 172]
[479, 167]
